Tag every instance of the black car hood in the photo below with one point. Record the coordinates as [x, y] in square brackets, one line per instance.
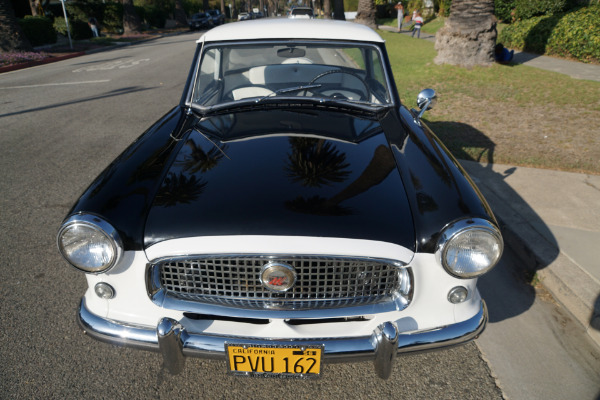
[305, 176]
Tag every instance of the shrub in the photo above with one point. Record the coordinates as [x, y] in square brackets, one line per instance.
[112, 19]
[504, 9]
[442, 7]
[38, 30]
[525, 9]
[79, 29]
[575, 34]
[578, 35]
[386, 11]
[155, 17]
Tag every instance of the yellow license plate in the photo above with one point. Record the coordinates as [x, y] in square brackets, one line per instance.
[275, 360]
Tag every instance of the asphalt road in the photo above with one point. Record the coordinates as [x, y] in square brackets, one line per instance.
[60, 125]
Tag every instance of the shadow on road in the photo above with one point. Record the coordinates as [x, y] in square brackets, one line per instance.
[113, 93]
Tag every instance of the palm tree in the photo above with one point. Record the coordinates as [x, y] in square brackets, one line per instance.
[366, 13]
[327, 9]
[200, 161]
[179, 14]
[179, 189]
[131, 21]
[338, 10]
[316, 162]
[469, 34]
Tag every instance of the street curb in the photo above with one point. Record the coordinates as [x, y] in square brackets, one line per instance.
[49, 60]
[568, 283]
[29, 64]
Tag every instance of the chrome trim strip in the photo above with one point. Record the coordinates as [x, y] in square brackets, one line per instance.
[336, 349]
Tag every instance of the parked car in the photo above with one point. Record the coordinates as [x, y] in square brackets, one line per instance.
[287, 213]
[201, 21]
[244, 16]
[301, 12]
[217, 17]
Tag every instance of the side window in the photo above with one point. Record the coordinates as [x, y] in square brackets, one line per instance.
[207, 82]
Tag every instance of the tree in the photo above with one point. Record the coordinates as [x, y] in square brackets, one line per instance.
[469, 35]
[366, 13]
[35, 7]
[338, 10]
[327, 9]
[11, 35]
[179, 14]
[131, 21]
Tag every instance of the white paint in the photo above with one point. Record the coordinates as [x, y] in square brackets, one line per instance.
[284, 28]
[56, 84]
[256, 244]
[120, 64]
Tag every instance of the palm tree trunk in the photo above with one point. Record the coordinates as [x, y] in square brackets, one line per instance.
[179, 14]
[366, 13]
[131, 21]
[11, 35]
[34, 5]
[469, 35]
[338, 10]
[327, 9]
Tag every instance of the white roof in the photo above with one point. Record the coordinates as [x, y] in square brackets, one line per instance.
[285, 28]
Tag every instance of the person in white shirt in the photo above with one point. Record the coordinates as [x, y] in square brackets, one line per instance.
[400, 9]
[418, 24]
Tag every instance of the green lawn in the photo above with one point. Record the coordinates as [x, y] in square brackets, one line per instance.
[503, 113]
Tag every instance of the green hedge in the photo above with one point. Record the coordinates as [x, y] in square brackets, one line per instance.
[504, 9]
[79, 29]
[38, 30]
[112, 18]
[525, 9]
[574, 34]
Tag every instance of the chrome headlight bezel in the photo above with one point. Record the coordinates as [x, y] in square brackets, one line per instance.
[455, 232]
[92, 228]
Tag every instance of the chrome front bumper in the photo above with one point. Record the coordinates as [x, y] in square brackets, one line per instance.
[175, 342]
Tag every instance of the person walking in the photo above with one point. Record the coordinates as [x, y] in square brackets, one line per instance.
[400, 9]
[93, 23]
[418, 24]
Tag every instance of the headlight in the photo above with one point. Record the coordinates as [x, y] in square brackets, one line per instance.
[469, 248]
[89, 243]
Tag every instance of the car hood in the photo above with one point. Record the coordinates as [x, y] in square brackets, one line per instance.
[241, 175]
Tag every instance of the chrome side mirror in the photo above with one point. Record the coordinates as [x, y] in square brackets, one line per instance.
[425, 101]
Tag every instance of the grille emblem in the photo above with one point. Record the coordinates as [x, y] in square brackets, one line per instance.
[278, 277]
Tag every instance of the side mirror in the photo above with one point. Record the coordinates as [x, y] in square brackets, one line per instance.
[425, 101]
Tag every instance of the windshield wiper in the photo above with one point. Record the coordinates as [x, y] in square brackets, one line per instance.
[289, 90]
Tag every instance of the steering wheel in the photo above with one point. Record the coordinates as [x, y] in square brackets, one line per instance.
[341, 71]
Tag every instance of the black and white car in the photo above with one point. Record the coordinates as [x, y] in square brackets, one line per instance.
[289, 212]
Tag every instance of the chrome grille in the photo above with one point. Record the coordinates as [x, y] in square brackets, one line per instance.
[322, 282]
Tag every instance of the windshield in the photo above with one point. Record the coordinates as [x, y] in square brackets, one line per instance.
[232, 74]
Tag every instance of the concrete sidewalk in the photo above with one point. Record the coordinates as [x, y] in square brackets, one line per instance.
[574, 69]
[551, 219]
